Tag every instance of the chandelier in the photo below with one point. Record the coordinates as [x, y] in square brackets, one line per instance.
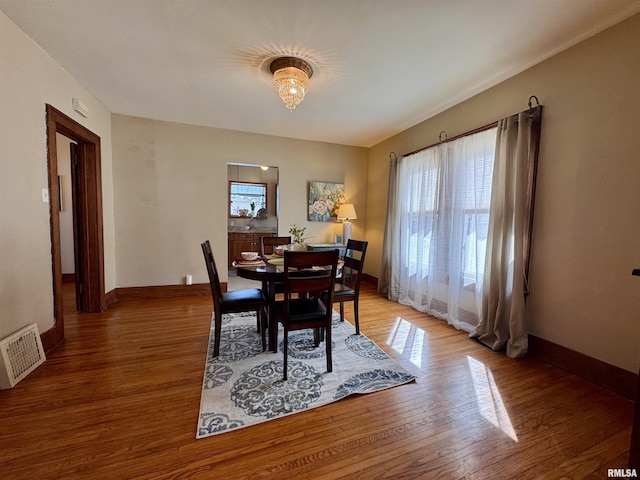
[291, 79]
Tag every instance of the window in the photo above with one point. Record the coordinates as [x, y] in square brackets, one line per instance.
[442, 204]
[447, 195]
[460, 215]
[246, 198]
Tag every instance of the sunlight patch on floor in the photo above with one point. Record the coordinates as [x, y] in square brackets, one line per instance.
[410, 341]
[489, 399]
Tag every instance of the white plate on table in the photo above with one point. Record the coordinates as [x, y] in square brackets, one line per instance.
[250, 263]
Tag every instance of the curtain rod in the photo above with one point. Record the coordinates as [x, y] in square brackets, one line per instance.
[475, 130]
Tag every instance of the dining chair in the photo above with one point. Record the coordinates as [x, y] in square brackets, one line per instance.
[309, 278]
[347, 288]
[268, 244]
[267, 247]
[236, 301]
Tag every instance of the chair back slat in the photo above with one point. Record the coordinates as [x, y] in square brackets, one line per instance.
[214, 278]
[310, 272]
[354, 263]
[311, 275]
[267, 244]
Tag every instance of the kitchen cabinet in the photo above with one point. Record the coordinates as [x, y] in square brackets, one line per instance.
[244, 242]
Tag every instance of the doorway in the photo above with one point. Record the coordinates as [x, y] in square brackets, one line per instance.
[252, 212]
[87, 220]
[68, 215]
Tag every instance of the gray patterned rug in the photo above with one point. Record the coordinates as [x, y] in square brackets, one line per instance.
[244, 386]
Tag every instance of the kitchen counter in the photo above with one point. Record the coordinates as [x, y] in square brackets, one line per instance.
[245, 229]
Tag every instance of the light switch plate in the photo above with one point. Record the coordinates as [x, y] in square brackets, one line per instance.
[45, 195]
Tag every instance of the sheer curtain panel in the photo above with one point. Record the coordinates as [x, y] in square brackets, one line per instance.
[435, 241]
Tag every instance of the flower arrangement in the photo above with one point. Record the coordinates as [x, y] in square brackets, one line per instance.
[298, 234]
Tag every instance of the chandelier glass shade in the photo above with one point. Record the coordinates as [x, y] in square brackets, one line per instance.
[291, 79]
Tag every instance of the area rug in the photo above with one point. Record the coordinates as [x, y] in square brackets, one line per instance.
[244, 386]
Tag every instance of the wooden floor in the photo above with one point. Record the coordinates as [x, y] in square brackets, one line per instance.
[120, 399]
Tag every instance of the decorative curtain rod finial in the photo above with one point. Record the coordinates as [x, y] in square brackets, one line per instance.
[531, 114]
[440, 136]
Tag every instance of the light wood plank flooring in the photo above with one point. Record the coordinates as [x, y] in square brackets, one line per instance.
[120, 399]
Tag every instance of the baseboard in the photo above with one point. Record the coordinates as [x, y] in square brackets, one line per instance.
[49, 339]
[614, 378]
[162, 291]
[111, 297]
[370, 279]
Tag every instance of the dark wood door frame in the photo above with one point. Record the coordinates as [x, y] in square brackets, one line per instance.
[76, 207]
[89, 215]
[634, 449]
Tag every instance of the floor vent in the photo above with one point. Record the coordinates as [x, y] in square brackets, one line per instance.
[20, 354]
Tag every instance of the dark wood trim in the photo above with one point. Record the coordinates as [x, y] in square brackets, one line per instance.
[91, 272]
[68, 278]
[50, 339]
[90, 180]
[55, 335]
[163, 291]
[370, 279]
[266, 196]
[92, 176]
[111, 297]
[614, 378]
[634, 448]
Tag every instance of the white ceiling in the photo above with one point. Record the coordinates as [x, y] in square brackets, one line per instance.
[380, 66]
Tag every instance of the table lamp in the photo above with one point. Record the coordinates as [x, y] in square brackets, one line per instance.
[346, 212]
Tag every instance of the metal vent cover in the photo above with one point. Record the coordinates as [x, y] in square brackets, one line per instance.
[20, 354]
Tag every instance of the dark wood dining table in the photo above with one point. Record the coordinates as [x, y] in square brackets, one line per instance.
[269, 274]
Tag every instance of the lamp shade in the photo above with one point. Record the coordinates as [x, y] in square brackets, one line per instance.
[346, 212]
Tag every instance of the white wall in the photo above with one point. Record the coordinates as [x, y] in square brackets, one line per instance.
[170, 187]
[29, 79]
[586, 236]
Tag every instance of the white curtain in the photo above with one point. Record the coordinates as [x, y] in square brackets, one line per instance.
[503, 302]
[435, 241]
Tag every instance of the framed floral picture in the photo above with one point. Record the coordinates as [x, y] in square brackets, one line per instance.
[324, 201]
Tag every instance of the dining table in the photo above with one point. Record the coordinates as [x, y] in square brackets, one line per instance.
[269, 271]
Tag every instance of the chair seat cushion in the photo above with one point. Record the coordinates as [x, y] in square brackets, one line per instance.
[342, 290]
[302, 309]
[242, 298]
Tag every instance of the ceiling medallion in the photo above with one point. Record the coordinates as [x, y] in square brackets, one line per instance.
[291, 79]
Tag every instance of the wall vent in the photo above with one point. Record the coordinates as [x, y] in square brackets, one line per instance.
[20, 354]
